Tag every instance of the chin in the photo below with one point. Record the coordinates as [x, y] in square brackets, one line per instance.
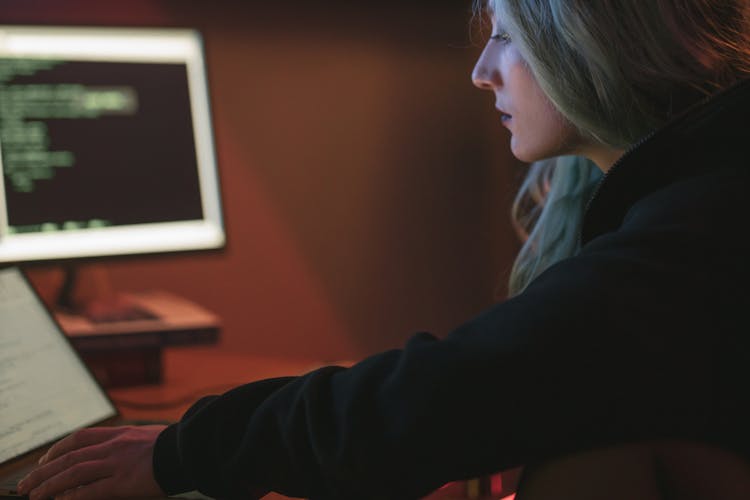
[529, 153]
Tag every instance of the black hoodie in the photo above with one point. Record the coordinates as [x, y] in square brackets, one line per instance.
[642, 335]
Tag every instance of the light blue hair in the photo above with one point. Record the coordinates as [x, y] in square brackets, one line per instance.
[547, 214]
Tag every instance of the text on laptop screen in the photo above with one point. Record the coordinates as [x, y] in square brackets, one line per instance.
[45, 390]
[105, 144]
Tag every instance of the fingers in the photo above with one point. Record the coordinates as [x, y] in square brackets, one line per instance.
[76, 466]
[51, 469]
[80, 439]
[84, 473]
[86, 445]
[94, 491]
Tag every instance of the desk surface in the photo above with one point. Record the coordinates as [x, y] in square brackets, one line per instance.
[193, 372]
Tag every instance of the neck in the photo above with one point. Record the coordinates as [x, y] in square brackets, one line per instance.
[604, 157]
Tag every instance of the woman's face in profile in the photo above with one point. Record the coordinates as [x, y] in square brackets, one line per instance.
[538, 129]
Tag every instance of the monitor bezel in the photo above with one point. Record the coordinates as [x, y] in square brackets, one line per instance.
[167, 238]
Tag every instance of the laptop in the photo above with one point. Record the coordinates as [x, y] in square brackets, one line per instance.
[46, 391]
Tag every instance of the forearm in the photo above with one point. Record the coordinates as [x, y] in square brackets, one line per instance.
[402, 422]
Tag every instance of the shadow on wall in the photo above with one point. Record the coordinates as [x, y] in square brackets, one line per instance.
[366, 182]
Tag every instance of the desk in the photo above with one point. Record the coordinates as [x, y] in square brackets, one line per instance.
[190, 373]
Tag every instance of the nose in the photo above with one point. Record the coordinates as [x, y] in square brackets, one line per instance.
[485, 76]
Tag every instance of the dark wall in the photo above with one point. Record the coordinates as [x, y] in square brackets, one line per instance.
[366, 182]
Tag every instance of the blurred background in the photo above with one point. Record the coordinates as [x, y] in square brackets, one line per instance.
[366, 183]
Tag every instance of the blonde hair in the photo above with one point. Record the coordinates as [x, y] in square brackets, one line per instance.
[617, 70]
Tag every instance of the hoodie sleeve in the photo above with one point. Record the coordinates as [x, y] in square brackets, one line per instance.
[561, 367]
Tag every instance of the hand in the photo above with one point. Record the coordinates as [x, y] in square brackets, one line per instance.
[96, 463]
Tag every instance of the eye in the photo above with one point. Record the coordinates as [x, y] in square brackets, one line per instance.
[502, 37]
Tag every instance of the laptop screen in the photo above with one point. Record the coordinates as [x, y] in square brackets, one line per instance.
[46, 391]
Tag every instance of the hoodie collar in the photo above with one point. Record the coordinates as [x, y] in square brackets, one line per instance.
[713, 132]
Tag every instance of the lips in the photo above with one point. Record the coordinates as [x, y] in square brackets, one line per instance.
[503, 115]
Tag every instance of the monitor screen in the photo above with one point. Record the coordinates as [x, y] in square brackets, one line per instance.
[106, 144]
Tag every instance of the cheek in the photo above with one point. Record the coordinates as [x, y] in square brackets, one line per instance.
[539, 131]
[557, 131]
[542, 133]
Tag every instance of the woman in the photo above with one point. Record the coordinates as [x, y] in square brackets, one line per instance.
[624, 346]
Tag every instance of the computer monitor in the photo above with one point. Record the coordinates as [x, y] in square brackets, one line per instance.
[106, 144]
